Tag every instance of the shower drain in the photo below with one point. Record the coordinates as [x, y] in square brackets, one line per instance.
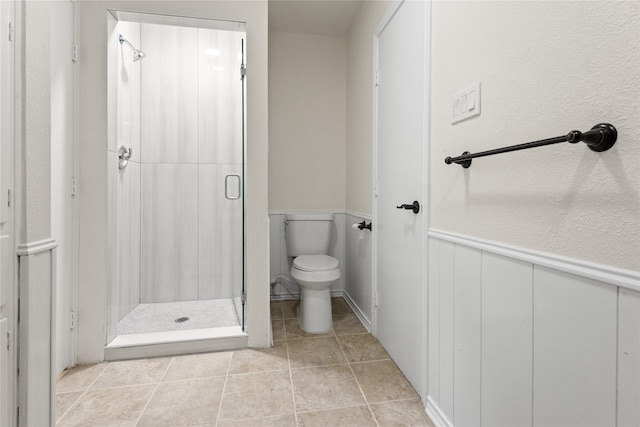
[181, 319]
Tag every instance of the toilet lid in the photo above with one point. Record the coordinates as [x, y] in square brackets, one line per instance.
[315, 263]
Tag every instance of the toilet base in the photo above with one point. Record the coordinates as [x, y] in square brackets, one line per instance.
[314, 313]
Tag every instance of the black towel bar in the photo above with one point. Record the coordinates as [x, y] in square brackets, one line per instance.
[601, 137]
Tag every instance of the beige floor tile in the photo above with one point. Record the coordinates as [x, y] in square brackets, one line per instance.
[277, 330]
[382, 381]
[257, 395]
[79, 378]
[325, 387]
[354, 417]
[260, 360]
[280, 421]
[184, 403]
[347, 324]
[293, 331]
[130, 372]
[401, 413]
[119, 406]
[340, 306]
[290, 308]
[64, 402]
[307, 352]
[362, 347]
[198, 366]
[276, 310]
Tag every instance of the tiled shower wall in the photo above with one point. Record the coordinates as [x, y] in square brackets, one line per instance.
[180, 111]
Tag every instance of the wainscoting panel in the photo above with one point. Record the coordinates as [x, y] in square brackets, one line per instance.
[447, 275]
[539, 340]
[37, 331]
[357, 267]
[468, 329]
[628, 358]
[507, 329]
[574, 350]
[434, 321]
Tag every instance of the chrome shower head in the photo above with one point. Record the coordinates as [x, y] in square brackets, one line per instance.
[137, 54]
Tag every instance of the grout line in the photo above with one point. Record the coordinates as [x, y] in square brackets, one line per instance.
[224, 387]
[293, 397]
[154, 390]
[81, 394]
[366, 401]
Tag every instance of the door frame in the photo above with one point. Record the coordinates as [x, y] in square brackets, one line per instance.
[424, 297]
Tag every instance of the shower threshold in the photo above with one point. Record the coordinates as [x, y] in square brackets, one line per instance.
[155, 344]
[181, 327]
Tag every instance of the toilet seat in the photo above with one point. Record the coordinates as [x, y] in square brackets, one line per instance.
[313, 263]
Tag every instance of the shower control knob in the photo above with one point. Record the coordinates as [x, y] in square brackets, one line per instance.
[415, 207]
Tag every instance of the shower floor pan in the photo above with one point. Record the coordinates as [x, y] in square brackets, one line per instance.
[164, 329]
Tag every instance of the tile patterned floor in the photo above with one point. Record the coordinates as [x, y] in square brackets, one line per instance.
[342, 378]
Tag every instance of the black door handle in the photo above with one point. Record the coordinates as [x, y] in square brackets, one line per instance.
[415, 206]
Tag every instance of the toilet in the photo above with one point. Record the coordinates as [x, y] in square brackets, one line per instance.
[308, 237]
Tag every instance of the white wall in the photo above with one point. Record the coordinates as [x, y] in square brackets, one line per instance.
[307, 84]
[36, 192]
[36, 249]
[545, 69]
[523, 330]
[62, 172]
[359, 148]
[93, 136]
[360, 105]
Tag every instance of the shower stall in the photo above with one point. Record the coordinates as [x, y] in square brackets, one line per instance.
[176, 161]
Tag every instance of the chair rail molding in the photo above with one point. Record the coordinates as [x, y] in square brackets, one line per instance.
[615, 276]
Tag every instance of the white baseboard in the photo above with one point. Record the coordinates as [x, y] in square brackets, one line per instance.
[287, 296]
[359, 314]
[436, 415]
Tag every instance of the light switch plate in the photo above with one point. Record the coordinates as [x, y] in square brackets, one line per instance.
[466, 103]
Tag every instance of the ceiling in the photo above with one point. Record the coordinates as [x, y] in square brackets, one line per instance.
[321, 17]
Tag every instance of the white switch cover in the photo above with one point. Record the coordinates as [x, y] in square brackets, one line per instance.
[466, 103]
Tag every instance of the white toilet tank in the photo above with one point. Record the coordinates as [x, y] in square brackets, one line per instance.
[308, 234]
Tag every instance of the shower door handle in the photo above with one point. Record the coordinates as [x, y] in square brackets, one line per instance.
[226, 186]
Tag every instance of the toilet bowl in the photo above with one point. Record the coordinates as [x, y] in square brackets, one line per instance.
[309, 241]
[315, 274]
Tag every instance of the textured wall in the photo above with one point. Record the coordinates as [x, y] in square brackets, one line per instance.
[546, 68]
[307, 87]
[360, 104]
[37, 124]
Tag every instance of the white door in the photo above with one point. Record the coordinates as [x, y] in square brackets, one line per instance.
[62, 167]
[8, 299]
[401, 131]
